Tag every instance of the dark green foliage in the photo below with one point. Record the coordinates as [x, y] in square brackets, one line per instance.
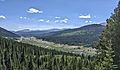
[109, 42]
[105, 54]
[115, 36]
[20, 56]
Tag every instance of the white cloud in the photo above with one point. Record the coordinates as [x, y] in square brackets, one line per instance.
[61, 21]
[21, 17]
[87, 21]
[2, 17]
[57, 17]
[64, 21]
[33, 10]
[90, 21]
[24, 18]
[85, 16]
[41, 20]
[48, 21]
[56, 21]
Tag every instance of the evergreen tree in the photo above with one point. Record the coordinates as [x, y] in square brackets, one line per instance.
[30, 65]
[109, 42]
[115, 19]
[105, 57]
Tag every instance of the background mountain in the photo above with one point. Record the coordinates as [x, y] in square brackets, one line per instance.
[24, 30]
[30, 33]
[6, 33]
[86, 35]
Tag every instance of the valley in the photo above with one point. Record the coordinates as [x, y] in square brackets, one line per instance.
[59, 35]
[84, 36]
[58, 47]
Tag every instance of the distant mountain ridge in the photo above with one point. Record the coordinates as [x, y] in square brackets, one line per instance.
[104, 23]
[85, 35]
[24, 30]
[29, 33]
[88, 34]
[6, 33]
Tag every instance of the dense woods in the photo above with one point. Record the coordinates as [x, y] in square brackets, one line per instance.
[20, 56]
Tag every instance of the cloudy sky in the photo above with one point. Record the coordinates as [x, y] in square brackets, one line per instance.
[47, 14]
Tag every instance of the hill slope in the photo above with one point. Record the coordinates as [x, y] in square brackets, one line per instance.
[79, 36]
[21, 56]
[5, 33]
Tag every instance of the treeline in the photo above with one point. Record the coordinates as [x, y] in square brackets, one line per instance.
[20, 56]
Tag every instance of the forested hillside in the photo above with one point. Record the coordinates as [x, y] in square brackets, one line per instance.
[86, 35]
[20, 56]
[6, 33]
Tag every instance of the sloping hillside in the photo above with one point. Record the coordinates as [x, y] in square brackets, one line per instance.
[80, 36]
[5, 33]
[20, 56]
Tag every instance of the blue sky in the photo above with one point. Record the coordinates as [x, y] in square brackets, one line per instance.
[47, 14]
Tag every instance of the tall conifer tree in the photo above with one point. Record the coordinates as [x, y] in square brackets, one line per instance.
[109, 42]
